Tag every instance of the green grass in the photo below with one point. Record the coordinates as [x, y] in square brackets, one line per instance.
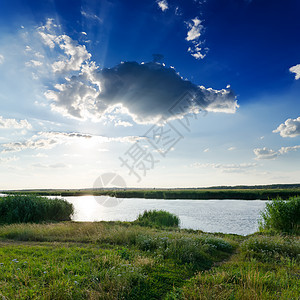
[123, 260]
[265, 267]
[106, 260]
[116, 260]
[33, 209]
[157, 218]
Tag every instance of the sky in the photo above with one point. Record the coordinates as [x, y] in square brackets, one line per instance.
[161, 93]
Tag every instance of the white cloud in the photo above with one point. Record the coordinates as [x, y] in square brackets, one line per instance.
[226, 168]
[13, 123]
[48, 140]
[54, 166]
[40, 155]
[162, 4]
[39, 55]
[144, 91]
[197, 52]
[1, 59]
[290, 128]
[77, 55]
[265, 153]
[33, 63]
[8, 159]
[74, 54]
[285, 150]
[296, 70]
[123, 123]
[103, 150]
[195, 27]
[231, 148]
[193, 35]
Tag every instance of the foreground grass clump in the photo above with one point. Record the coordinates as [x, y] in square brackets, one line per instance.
[33, 209]
[157, 218]
[282, 216]
[264, 268]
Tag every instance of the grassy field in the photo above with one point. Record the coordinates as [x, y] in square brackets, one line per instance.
[116, 260]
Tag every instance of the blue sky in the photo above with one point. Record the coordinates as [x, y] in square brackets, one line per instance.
[164, 93]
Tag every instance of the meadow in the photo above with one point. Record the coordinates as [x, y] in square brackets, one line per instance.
[150, 258]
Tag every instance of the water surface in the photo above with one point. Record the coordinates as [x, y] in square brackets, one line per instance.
[227, 216]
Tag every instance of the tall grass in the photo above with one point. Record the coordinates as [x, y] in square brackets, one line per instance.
[157, 218]
[33, 209]
[265, 267]
[280, 215]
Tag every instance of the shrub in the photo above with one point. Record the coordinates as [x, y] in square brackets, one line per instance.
[281, 215]
[268, 249]
[157, 218]
[34, 209]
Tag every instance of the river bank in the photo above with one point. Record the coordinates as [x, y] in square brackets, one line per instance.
[191, 194]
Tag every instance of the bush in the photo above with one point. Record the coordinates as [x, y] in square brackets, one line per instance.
[266, 249]
[33, 209]
[281, 215]
[157, 218]
[198, 251]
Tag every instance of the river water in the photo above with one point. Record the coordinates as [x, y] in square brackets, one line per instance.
[226, 216]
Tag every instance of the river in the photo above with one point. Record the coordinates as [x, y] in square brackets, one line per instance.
[226, 216]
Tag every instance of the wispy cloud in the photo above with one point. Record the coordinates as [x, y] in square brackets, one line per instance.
[290, 128]
[1, 59]
[48, 140]
[40, 155]
[284, 150]
[33, 63]
[265, 153]
[226, 168]
[91, 16]
[51, 166]
[123, 123]
[13, 123]
[8, 159]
